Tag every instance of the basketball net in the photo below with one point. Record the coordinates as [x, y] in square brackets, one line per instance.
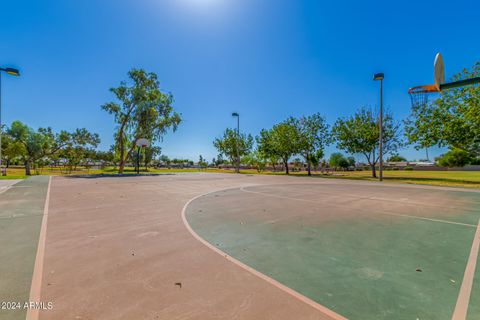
[419, 95]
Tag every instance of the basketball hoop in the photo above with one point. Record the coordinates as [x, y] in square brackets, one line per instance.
[142, 143]
[419, 95]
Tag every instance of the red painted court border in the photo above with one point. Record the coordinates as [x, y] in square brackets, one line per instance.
[461, 308]
[262, 276]
[36, 286]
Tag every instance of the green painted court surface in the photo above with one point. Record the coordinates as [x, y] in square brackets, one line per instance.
[364, 251]
[21, 213]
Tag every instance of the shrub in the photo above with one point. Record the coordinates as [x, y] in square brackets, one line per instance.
[454, 158]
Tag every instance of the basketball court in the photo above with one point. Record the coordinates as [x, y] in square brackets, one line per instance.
[362, 250]
[224, 246]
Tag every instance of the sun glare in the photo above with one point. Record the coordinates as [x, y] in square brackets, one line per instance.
[203, 3]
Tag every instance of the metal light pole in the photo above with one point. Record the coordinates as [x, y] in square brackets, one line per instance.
[380, 77]
[13, 72]
[235, 114]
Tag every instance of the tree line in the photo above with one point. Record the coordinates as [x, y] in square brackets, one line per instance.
[452, 120]
[34, 148]
[141, 110]
[308, 136]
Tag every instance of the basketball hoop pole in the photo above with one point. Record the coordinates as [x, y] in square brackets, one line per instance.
[138, 160]
[459, 83]
[141, 143]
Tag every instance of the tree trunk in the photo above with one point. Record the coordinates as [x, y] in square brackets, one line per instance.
[309, 164]
[286, 167]
[374, 173]
[121, 166]
[27, 168]
[132, 148]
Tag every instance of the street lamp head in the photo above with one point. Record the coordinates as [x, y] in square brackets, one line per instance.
[378, 76]
[11, 71]
[235, 114]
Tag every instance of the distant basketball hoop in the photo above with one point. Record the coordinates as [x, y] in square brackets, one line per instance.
[143, 143]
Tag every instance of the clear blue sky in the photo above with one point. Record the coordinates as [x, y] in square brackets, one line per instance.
[266, 59]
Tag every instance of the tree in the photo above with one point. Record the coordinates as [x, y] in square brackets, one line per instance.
[452, 120]
[36, 145]
[282, 141]
[360, 134]
[143, 111]
[254, 159]
[202, 163]
[396, 158]
[351, 161]
[106, 157]
[316, 158]
[313, 133]
[227, 144]
[78, 147]
[338, 160]
[11, 150]
[150, 153]
[455, 158]
[165, 159]
[219, 160]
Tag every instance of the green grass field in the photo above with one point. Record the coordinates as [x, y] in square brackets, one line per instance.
[470, 179]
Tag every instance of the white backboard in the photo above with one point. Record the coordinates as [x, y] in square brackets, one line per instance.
[439, 70]
[142, 142]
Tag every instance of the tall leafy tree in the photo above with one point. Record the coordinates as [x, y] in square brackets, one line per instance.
[78, 147]
[202, 162]
[255, 159]
[313, 134]
[150, 153]
[106, 157]
[227, 144]
[316, 158]
[396, 158]
[142, 111]
[39, 144]
[360, 134]
[282, 141]
[338, 160]
[219, 160]
[455, 158]
[451, 120]
[11, 150]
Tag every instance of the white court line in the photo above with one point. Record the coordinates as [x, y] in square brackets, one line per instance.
[262, 276]
[36, 286]
[463, 300]
[379, 212]
[461, 307]
[5, 188]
